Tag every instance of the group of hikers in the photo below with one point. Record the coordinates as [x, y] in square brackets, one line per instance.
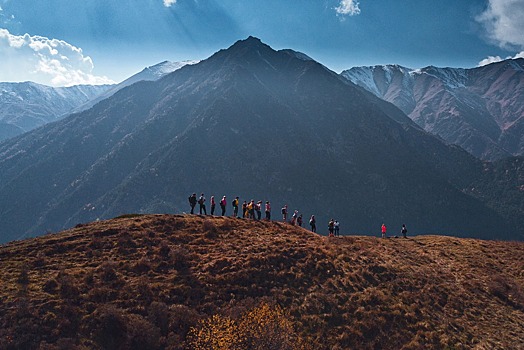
[252, 210]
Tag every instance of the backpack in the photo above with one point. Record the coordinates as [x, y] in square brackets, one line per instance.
[283, 210]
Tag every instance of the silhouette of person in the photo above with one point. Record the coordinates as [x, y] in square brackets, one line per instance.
[223, 203]
[313, 223]
[213, 204]
[336, 225]
[202, 203]
[284, 213]
[193, 202]
[268, 211]
[404, 231]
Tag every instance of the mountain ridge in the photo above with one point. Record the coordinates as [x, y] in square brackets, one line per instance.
[253, 122]
[479, 109]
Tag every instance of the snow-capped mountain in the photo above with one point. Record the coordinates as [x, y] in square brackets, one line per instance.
[479, 109]
[26, 106]
[151, 73]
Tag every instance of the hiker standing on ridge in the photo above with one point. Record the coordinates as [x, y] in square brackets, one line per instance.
[331, 227]
[223, 204]
[258, 208]
[313, 223]
[213, 204]
[202, 203]
[251, 209]
[404, 231]
[244, 210]
[299, 220]
[336, 225]
[192, 202]
[284, 213]
[235, 206]
[383, 228]
[268, 211]
[294, 218]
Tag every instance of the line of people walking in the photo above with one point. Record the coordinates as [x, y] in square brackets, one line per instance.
[252, 210]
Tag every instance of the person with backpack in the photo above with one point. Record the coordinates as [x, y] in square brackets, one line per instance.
[313, 223]
[268, 211]
[331, 227]
[404, 231]
[294, 217]
[235, 207]
[202, 203]
[383, 229]
[213, 204]
[223, 204]
[284, 213]
[192, 202]
[336, 226]
[299, 220]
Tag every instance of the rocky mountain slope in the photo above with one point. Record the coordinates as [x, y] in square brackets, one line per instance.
[479, 109]
[257, 123]
[26, 106]
[148, 282]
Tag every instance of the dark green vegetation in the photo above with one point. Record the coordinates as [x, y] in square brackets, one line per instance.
[257, 123]
[142, 282]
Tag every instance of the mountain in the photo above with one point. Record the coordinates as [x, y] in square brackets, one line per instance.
[257, 123]
[479, 109]
[26, 106]
[147, 74]
[162, 281]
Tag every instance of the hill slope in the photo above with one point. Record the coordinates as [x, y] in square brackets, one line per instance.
[252, 122]
[145, 280]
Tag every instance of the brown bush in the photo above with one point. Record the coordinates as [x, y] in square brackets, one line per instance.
[264, 327]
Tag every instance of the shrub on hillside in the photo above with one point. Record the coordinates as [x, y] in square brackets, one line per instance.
[263, 327]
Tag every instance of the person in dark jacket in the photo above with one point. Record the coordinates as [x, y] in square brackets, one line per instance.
[202, 203]
[192, 202]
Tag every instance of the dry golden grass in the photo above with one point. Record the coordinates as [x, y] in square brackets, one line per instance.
[146, 281]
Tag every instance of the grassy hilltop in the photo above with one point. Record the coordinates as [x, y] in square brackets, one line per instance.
[157, 282]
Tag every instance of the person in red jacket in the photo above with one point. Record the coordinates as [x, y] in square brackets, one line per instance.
[383, 231]
[268, 211]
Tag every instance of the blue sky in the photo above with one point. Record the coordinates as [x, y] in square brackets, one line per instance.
[65, 42]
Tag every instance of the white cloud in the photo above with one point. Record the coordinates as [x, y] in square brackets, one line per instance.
[168, 3]
[348, 7]
[504, 23]
[46, 61]
[493, 59]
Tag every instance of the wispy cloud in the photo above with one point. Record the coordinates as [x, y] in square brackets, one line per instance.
[45, 61]
[168, 3]
[493, 59]
[503, 21]
[348, 8]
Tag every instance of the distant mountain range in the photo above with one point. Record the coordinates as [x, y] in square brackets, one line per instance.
[26, 106]
[262, 124]
[479, 109]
